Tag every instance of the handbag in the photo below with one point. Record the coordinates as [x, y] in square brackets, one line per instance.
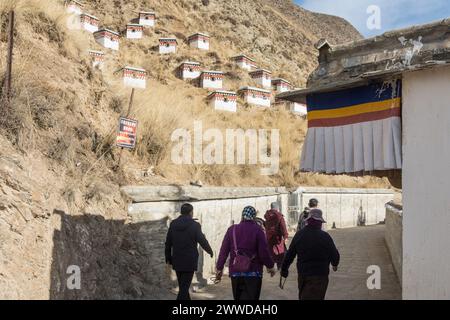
[241, 262]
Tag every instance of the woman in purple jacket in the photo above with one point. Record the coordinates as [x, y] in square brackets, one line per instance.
[250, 241]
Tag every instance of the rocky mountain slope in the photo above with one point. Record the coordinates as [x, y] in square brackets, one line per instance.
[59, 170]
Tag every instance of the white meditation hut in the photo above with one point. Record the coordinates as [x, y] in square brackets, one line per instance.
[189, 70]
[256, 96]
[223, 100]
[167, 45]
[98, 58]
[280, 85]
[89, 23]
[134, 77]
[147, 18]
[244, 62]
[211, 79]
[199, 41]
[74, 7]
[134, 31]
[107, 38]
[262, 77]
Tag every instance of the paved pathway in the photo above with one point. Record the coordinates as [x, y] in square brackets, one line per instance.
[359, 248]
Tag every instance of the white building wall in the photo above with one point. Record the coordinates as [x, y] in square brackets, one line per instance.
[264, 82]
[134, 83]
[134, 35]
[230, 106]
[426, 184]
[186, 74]
[281, 89]
[209, 84]
[199, 44]
[146, 22]
[163, 49]
[244, 65]
[298, 108]
[108, 43]
[258, 100]
[89, 27]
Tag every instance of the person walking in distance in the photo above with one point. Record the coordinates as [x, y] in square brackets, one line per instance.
[181, 248]
[313, 204]
[246, 244]
[277, 233]
[315, 251]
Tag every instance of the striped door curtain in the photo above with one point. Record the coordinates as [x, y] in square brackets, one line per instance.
[354, 130]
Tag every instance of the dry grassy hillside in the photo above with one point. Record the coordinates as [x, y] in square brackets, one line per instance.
[58, 156]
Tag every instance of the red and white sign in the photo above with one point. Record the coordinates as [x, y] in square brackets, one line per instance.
[126, 137]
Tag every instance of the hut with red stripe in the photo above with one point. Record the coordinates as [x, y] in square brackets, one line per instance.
[107, 38]
[98, 58]
[244, 62]
[199, 41]
[280, 85]
[134, 77]
[134, 31]
[262, 77]
[223, 100]
[256, 96]
[147, 18]
[89, 23]
[189, 70]
[167, 45]
[211, 79]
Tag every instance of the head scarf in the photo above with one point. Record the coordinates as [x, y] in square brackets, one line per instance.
[249, 213]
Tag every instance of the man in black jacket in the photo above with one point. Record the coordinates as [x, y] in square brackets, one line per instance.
[315, 251]
[181, 248]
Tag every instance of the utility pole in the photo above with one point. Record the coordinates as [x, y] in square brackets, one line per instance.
[8, 76]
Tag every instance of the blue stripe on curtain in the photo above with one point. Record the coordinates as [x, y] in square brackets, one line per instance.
[374, 92]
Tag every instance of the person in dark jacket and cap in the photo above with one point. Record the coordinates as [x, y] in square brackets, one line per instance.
[181, 248]
[315, 251]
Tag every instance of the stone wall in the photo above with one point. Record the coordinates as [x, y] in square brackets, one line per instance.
[393, 236]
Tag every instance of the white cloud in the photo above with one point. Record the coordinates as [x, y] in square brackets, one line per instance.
[394, 13]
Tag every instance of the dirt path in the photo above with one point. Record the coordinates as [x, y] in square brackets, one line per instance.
[359, 248]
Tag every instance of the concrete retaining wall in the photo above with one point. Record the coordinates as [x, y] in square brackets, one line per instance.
[218, 208]
[393, 236]
[344, 207]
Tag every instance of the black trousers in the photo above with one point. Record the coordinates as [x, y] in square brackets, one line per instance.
[246, 288]
[184, 283]
[312, 287]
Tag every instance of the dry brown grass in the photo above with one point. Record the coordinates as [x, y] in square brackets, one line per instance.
[69, 111]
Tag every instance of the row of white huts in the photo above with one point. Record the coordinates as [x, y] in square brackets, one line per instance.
[220, 99]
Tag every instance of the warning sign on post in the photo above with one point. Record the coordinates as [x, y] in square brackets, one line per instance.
[126, 137]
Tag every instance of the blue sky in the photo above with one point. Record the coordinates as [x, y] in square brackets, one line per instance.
[394, 14]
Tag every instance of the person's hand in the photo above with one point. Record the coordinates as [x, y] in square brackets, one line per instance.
[272, 271]
[335, 268]
[219, 274]
[284, 273]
